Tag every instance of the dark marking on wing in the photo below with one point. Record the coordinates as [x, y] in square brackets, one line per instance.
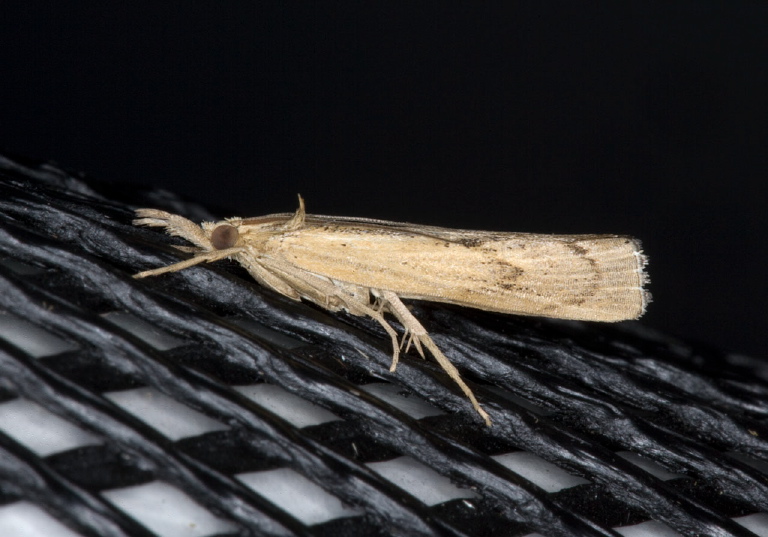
[470, 242]
[576, 249]
[506, 271]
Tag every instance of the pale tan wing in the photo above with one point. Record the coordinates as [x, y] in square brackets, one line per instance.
[590, 277]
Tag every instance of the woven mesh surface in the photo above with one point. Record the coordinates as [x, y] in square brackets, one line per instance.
[578, 395]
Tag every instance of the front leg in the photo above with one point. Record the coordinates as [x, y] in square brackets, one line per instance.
[206, 257]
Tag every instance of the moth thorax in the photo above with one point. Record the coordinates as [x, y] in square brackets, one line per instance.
[224, 236]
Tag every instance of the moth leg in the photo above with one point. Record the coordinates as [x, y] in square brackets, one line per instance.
[356, 307]
[268, 278]
[379, 317]
[409, 340]
[421, 337]
[337, 295]
[186, 249]
[175, 225]
[207, 257]
[378, 304]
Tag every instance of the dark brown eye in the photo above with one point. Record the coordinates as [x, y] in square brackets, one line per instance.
[224, 236]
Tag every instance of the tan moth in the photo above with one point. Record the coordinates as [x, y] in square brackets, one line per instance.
[366, 267]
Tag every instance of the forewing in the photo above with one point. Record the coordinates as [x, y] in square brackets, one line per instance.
[590, 277]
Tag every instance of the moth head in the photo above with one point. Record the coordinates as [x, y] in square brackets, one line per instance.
[224, 236]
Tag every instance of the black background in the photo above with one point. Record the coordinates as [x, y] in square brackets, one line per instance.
[640, 118]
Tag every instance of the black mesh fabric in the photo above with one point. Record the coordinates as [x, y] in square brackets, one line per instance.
[574, 394]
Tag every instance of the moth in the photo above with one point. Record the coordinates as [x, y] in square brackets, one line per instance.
[366, 267]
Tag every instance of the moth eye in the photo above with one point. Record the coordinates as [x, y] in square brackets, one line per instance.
[224, 236]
